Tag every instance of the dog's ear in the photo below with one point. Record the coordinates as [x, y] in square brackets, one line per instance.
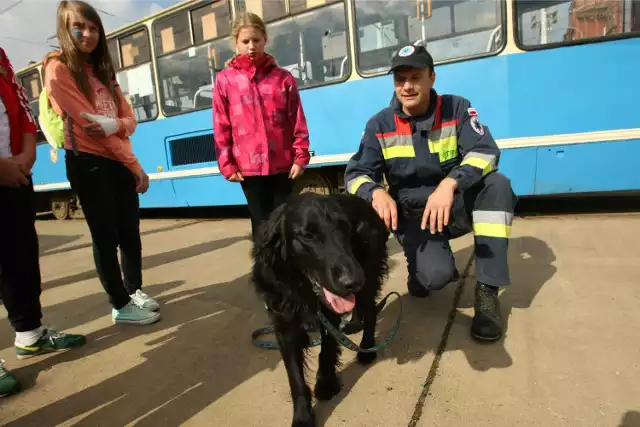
[270, 243]
[366, 235]
[271, 272]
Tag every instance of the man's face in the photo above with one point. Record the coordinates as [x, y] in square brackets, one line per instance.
[412, 86]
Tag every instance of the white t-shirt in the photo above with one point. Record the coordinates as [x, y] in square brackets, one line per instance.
[5, 132]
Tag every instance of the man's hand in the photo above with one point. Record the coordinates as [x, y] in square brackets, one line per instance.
[296, 171]
[142, 182]
[11, 174]
[386, 207]
[438, 208]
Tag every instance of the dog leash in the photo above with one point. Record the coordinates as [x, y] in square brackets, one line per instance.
[339, 336]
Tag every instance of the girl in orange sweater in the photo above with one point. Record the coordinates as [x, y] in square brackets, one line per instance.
[101, 166]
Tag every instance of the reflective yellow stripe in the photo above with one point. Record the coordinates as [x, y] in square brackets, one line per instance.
[479, 163]
[355, 183]
[446, 148]
[398, 151]
[491, 230]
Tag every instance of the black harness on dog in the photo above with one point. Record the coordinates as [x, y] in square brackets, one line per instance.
[337, 334]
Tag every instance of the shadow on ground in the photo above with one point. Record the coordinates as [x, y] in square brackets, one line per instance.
[155, 260]
[67, 315]
[630, 419]
[531, 267]
[206, 351]
[424, 320]
[184, 371]
[49, 242]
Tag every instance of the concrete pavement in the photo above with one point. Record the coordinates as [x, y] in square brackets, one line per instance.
[571, 356]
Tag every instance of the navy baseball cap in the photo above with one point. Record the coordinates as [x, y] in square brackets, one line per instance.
[412, 56]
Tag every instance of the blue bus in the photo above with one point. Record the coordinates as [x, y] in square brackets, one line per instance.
[556, 81]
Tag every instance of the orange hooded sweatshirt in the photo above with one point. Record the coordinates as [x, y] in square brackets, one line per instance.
[66, 97]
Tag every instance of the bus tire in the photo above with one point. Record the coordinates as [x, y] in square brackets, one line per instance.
[60, 208]
[314, 182]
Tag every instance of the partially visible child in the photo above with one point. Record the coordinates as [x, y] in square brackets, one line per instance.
[20, 282]
[101, 166]
[260, 129]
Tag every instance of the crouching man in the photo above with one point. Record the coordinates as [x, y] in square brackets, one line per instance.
[440, 164]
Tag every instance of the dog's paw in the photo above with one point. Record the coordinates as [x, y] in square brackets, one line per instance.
[367, 358]
[327, 387]
[308, 421]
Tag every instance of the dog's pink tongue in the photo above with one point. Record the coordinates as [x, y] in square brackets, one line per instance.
[340, 304]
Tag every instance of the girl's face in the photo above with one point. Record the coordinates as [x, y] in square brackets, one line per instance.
[251, 41]
[85, 33]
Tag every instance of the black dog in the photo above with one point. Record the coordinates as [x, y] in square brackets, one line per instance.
[323, 253]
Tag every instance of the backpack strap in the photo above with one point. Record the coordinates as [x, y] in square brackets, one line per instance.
[71, 135]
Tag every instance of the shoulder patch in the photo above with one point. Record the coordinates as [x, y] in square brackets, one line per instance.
[472, 111]
[476, 125]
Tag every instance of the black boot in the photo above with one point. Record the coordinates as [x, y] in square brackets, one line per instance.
[487, 322]
[416, 289]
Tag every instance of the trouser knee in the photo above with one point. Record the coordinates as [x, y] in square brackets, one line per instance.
[499, 192]
[436, 277]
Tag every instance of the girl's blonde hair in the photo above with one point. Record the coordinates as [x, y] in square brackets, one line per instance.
[247, 19]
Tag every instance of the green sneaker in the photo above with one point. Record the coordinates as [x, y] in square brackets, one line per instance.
[134, 315]
[50, 341]
[8, 383]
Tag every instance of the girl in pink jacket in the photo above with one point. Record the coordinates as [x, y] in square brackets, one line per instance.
[260, 130]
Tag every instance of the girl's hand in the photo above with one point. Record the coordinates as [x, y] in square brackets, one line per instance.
[296, 171]
[94, 130]
[142, 182]
[11, 174]
[236, 177]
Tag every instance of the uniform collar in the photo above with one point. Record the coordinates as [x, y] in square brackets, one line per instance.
[422, 122]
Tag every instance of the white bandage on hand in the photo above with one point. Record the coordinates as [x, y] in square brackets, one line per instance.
[109, 125]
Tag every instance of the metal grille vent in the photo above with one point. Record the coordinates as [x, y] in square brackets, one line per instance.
[192, 150]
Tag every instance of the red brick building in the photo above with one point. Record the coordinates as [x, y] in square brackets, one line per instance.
[597, 18]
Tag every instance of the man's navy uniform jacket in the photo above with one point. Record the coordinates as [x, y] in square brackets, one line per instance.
[415, 154]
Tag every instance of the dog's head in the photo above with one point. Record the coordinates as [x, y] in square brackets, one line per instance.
[307, 246]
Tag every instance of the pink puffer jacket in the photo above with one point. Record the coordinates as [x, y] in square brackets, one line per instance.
[259, 123]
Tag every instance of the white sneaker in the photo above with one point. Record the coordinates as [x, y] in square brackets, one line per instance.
[144, 301]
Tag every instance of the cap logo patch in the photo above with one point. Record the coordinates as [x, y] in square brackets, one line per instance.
[406, 51]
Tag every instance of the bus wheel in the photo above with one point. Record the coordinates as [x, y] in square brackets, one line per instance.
[315, 182]
[60, 208]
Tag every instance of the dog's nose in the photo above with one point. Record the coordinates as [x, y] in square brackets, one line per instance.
[348, 282]
[345, 278]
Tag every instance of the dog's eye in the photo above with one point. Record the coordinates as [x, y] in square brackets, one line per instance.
[305, 235]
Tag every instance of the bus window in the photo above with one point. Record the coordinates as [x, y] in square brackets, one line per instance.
[211, 21]
[565, 21]
[33, 86]
[268, 10]
[186, 76]
[312, 45]
[172, 33]
[135, 75]
[450, 29]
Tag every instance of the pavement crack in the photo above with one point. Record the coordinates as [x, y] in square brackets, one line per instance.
[433, 371]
